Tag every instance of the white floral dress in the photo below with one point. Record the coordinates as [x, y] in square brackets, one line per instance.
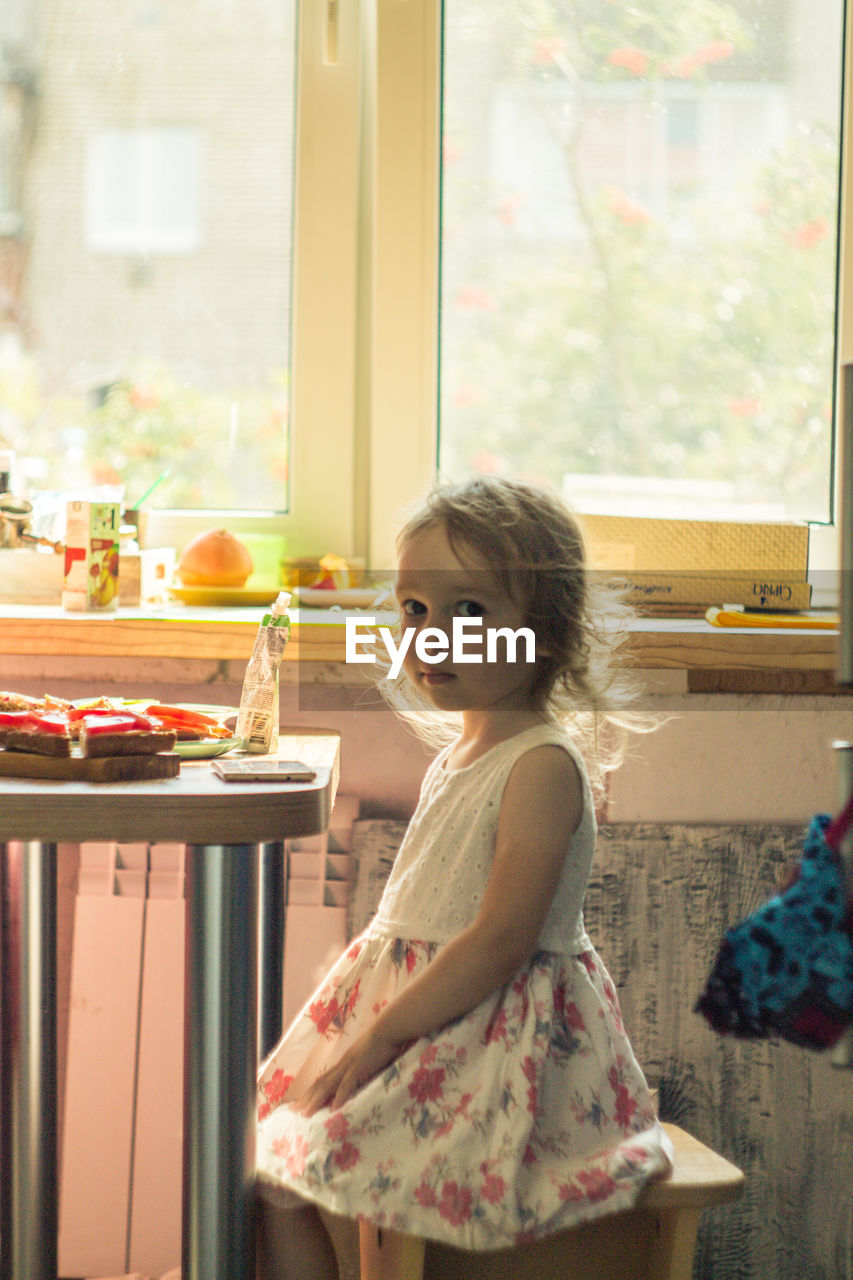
[527, 1115]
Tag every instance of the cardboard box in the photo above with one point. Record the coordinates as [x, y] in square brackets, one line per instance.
[91, 555]
[144, 576]
[28, 576]
[316, 845]
[155, 1209]
[651, 591]
[640, 544]
[344, 813]
[120, 1201]
[314, 937]
[100, 1084]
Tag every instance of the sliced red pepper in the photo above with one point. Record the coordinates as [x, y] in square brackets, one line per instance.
[197, 719]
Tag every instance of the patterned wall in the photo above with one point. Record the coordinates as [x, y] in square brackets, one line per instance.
[660, 899]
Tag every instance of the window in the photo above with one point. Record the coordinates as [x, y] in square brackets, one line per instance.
[152, 311]
[250, 314]
[639, 252]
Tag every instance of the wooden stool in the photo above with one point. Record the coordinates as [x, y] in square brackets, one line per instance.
[654, 1240]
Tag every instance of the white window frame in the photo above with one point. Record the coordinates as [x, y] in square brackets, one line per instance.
[824, 541]
[365, 293]
[364, 343]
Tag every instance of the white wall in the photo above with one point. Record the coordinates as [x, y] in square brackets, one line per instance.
[734, 758]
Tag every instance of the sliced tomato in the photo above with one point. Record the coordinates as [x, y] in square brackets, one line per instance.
[118, 722]
[35, 721]
[51, 722]
[77, 713]
[17, 720]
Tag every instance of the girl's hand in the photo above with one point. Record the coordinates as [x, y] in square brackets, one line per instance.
[362, 1061]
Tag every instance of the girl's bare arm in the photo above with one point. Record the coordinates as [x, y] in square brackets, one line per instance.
[541, 807]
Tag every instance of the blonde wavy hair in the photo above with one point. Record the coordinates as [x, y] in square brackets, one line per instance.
[535, 547]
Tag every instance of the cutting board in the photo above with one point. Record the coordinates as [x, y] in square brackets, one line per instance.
[78, 768]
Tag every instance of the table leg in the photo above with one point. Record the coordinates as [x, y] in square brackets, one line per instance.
[28, 1183]
[220, 1063]
[271, 915]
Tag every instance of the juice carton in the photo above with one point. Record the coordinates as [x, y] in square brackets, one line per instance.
[91, 555]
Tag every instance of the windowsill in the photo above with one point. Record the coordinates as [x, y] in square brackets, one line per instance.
[715, 658]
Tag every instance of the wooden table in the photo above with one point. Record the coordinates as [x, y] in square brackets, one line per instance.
[225, 825]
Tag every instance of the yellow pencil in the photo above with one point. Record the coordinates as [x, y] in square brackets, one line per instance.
[737, 618]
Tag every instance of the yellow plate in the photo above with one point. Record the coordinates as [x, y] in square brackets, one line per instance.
[225, 596]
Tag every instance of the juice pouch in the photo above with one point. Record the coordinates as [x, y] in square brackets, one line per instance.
[257, 719]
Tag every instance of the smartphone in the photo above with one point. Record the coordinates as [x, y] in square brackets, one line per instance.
[264, 771]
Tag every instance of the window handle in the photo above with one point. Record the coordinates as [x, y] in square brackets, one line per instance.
[330, 34]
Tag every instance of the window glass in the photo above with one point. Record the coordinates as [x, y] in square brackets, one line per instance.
[145, 247]
[639, 251]
[143, 191]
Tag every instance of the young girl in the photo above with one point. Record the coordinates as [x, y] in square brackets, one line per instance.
[463, 1073]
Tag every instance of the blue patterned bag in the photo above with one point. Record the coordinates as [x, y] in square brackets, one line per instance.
[787, 969]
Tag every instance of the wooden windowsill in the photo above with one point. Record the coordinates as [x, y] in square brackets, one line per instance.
[807, 657]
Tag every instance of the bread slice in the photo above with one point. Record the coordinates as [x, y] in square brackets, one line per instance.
[131, 742]
[43, 744]
[190, 733]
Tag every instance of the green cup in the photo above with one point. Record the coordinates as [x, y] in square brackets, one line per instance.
[267, 551]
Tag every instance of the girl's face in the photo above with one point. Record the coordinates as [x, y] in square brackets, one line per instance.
[434, 587]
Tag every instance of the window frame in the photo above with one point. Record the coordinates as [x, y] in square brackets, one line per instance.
[327, 233]
[365, 341]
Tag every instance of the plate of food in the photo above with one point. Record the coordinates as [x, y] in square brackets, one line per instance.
[341, 598]
[99, 741]
[95, 729]
[337, 584]
[201, 732]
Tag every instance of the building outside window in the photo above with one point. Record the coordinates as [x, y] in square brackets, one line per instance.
[143, 191]
[640, 211]
[157, 192]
